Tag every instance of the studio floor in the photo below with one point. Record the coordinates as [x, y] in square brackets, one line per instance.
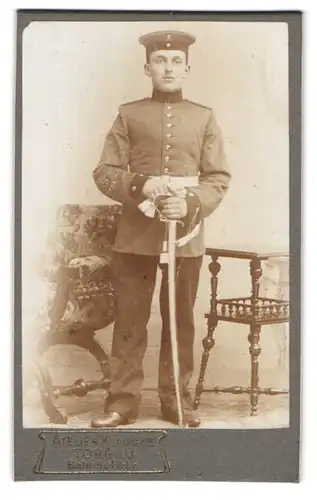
[217, 411]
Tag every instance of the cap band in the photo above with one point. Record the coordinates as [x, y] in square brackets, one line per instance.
[167, 40]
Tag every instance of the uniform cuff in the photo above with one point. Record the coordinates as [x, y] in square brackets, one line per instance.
[193, 207]
[136, 186]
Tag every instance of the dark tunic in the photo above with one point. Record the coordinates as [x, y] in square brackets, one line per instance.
[154, 137]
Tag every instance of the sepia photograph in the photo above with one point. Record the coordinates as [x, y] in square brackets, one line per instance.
[155, 225]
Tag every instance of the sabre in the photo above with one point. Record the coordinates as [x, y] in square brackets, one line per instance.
[171, 265]
[168, 256]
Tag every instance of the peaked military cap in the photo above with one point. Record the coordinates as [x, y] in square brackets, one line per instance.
[167, 40]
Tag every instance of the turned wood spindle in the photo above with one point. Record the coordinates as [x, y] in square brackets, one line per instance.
[255, 351]
[254, 336]
[208, 341]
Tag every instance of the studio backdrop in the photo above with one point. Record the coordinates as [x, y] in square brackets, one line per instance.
[75, 75]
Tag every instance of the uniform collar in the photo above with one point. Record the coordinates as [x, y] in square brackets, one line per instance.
[158, 95]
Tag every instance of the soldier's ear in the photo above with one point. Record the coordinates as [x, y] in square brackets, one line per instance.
[187, 70]
[147, 70]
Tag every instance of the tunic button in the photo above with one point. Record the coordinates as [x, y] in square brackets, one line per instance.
[169, 107]
[169, 115]
[165, 170]
[167, 158]
[168, 136]
[169, 125]
[168, 147]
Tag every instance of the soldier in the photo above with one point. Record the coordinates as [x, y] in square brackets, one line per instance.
[163, 157]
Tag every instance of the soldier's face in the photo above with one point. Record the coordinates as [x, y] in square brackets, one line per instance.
[168, 69]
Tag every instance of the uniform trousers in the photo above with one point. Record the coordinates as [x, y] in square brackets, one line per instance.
[134, 281]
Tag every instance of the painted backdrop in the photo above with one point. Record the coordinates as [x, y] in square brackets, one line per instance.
[75, 75]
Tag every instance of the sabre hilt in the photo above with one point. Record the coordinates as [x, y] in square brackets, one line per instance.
[168, 224]
[165, 245]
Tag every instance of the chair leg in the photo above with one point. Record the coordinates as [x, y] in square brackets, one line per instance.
[49, 395]
[208, 344]
[53, 413]
[255, 351]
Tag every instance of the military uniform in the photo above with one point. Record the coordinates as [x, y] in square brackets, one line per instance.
[164, 134]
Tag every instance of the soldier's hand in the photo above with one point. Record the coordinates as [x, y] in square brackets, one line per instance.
[179, 192]
[173, 207]
[156, 187]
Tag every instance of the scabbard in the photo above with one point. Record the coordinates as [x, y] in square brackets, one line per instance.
[172, 316]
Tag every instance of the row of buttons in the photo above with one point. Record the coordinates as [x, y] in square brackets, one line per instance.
[168, 136]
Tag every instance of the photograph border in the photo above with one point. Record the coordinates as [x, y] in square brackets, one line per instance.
[256, 455]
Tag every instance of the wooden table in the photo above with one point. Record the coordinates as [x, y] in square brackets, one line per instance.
[254, 310]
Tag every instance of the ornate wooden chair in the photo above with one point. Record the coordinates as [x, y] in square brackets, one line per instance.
[82, 299]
